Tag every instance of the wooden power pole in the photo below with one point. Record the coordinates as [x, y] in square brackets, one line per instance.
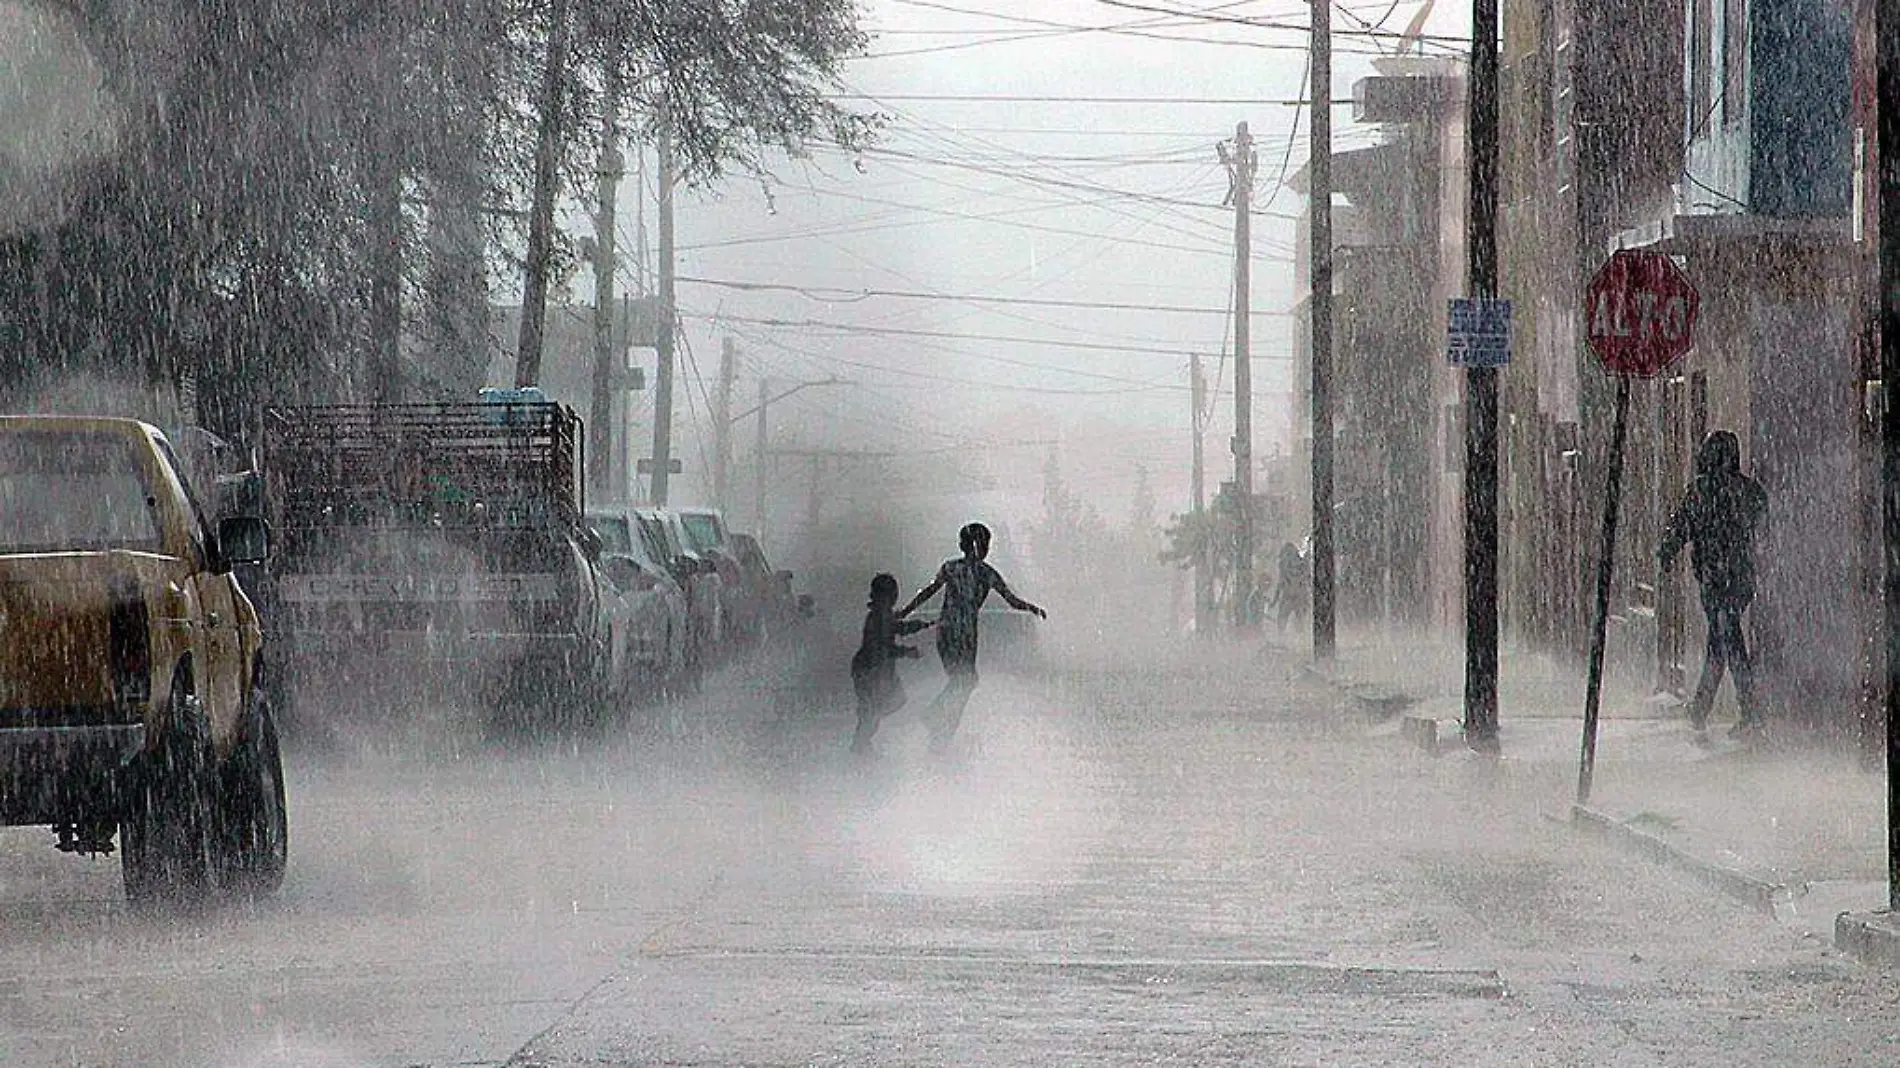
[601, 454]
[722, 425]
[1203, 567]
[1319, 172]
[1481, 392]
[1887, 149]
[667, 329]
[1240, 165]
[547, 160]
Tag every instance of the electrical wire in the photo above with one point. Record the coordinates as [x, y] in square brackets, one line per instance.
[961, 382]
[1017, 224]
[699, 438]
[1266, 24]
[1158, 348]
[1043, 98]
[843, 296]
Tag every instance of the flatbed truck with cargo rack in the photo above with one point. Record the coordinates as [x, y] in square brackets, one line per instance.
[437, 546]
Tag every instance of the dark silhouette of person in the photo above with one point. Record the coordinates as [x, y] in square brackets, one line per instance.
[1718, 518]
[966, 583]
[1291, 588]
[874, 666]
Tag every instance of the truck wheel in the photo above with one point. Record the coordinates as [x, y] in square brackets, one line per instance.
[165, 838]
[254, 827]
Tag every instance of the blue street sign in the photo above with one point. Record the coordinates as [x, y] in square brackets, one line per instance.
[1480, 332]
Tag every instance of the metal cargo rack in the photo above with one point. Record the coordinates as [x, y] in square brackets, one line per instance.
[398, 463]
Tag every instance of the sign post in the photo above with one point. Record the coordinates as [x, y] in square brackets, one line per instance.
[1640, 313]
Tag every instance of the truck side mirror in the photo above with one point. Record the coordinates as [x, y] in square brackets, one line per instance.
[243, 539]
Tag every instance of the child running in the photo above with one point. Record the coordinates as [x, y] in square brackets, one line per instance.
[874, 667]
[966, 583]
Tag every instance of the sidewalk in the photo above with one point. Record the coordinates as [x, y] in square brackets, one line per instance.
[1782, 825]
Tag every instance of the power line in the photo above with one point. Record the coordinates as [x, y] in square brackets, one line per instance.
[1045, 29]
[958, 142]
[1059, 183]
[1031, 98]
[1087, 237]
[847, 296]
[1159, 348]
[1268, 24]
[968, 383]
[999, 219]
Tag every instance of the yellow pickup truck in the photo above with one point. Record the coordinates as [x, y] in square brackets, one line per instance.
[129, 661]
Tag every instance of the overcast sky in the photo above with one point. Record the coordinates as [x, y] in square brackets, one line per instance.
[1010, 173]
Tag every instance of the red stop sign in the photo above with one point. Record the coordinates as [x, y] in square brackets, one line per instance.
[1639, 313]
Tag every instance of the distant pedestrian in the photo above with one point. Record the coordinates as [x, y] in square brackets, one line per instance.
[1292, 587]
[966, 583]
[874, 666]
[1718, 518]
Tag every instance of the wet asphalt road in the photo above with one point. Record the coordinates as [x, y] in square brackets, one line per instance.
[1198, 864]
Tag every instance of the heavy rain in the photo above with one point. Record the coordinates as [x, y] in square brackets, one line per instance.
[559, 533]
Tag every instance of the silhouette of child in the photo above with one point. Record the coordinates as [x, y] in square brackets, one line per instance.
[966, 583]
[874, 666]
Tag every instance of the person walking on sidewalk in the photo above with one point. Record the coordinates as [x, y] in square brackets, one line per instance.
[966, 583]
[1718, 518]
[1290, 592]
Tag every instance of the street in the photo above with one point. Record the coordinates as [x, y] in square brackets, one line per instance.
[1186, 856]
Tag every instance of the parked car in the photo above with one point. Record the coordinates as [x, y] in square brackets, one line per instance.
[699, 576]
[129, 662]
[767, 590]
[706, 535]
[654, 642]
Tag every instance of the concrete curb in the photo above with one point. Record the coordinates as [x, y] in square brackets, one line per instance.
[1421, 731]
[1758, 894]
[1873, 938]
[1374, 703]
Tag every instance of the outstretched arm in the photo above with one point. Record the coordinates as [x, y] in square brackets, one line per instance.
[923, 595]
[1009, 597]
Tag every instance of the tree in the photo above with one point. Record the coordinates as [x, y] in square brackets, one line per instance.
[252, 194]
[1142, 516]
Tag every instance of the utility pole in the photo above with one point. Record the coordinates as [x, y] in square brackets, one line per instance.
[1887, 136]
[722, 423]
[1240, 165]
[1203, 572]
[600, 430]
[815, 501]
[667, 327]
[1671, 476]
[766, 399]
[1319, 173]
[1481, 392]
[547, 159]
[759, 461]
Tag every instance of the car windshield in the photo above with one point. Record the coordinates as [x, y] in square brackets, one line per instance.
[702, 530]
[749, 552]
[658, 539]
[614, 535]
[73, 490]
